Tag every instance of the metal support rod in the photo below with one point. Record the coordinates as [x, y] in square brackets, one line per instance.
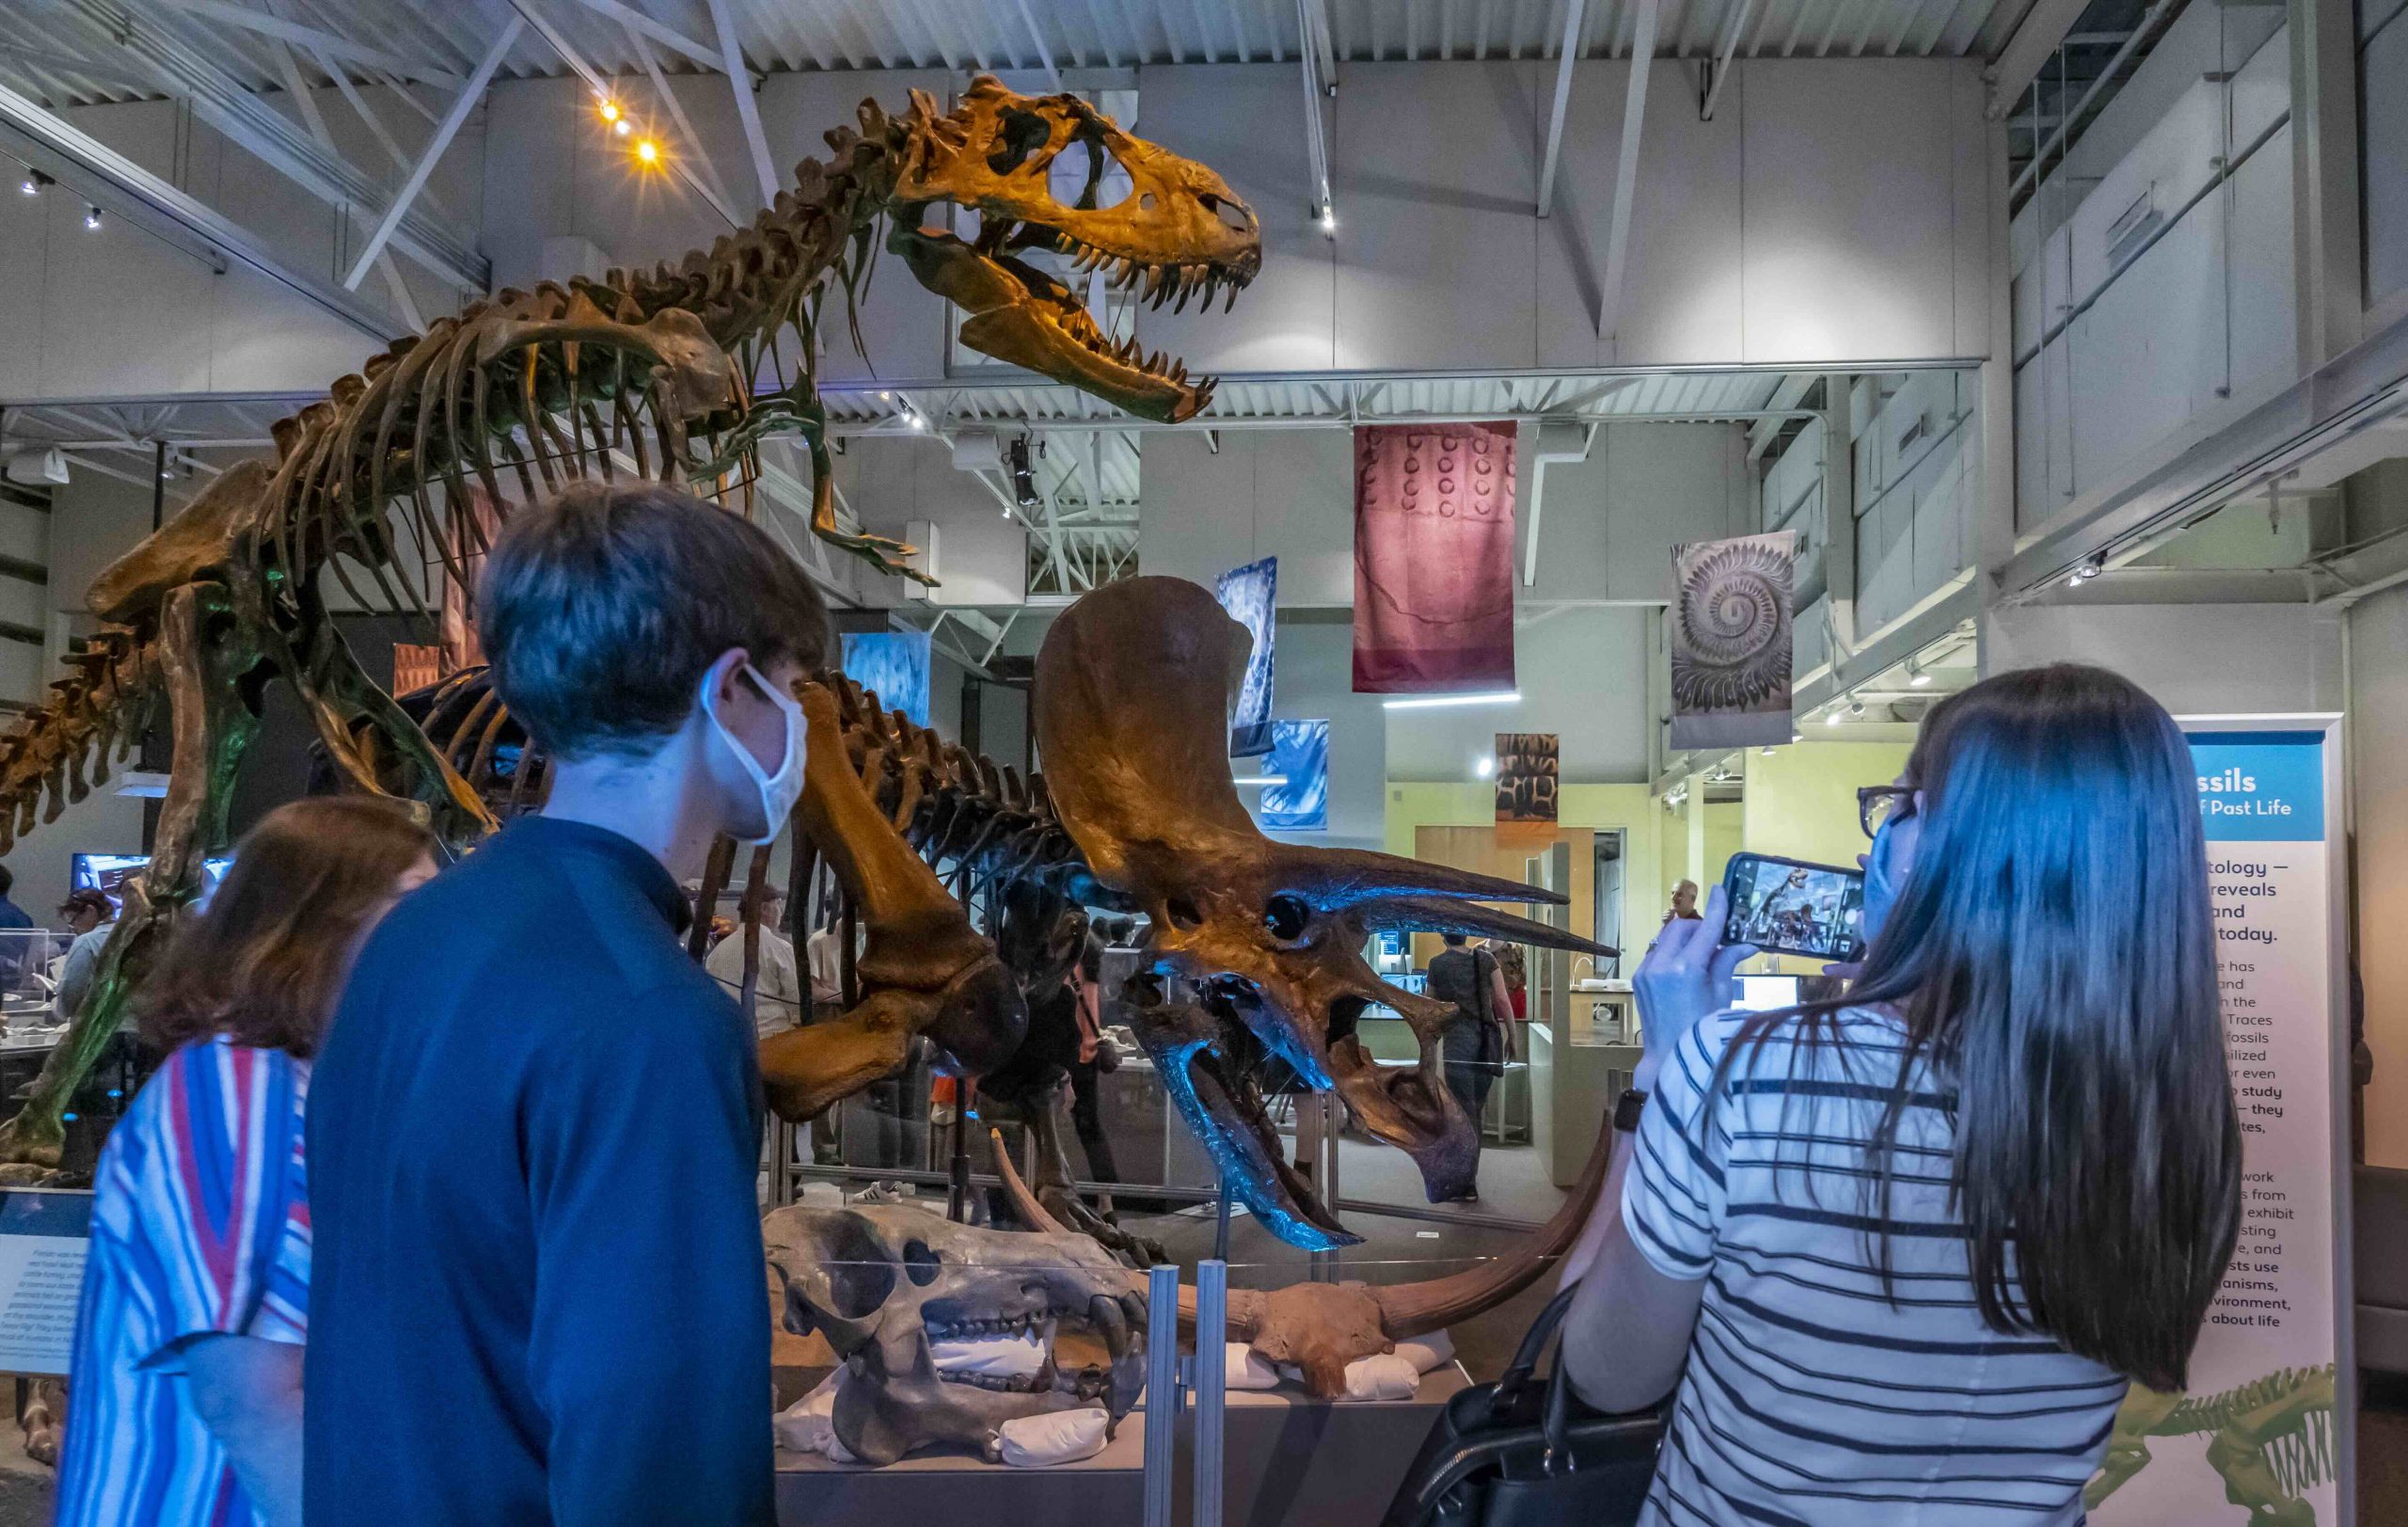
[1212, 1381]
[957, 1192]
[2161, 15]
[1221, 1221]
[739, 80]
[1634, 119]
[1161, 1391]
[1316, 84]
[445, 131]
[1565, 57]
[1044, 53]
[1723, 65]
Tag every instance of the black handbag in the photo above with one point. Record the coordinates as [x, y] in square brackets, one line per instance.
[1519, 1453]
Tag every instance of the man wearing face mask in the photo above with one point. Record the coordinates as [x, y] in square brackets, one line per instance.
[537, 1286]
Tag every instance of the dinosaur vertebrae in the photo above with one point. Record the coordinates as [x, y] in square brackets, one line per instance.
[2289, 1413]
[64, 747]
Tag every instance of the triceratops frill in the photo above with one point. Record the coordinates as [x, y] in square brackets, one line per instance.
[1132, 714]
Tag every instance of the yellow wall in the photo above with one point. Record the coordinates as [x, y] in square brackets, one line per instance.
[1594, 807]
[1801, 799]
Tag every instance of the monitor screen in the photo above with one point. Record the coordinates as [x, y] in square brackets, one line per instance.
[106, 872]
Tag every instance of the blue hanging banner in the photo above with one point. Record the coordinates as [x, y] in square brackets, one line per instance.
[892, 665]
[1300, 760]
[1250, 595]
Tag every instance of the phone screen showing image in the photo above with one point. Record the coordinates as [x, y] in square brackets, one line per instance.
[1785, 906]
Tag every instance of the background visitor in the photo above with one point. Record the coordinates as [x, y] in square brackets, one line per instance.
[1473, 1043]
[539, 1249]
[777, 989]
[2027, 1082]
[196, 1299]
[90, 916]
[1683, 902]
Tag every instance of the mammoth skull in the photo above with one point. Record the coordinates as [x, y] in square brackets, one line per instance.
[1131, 702]
[886, 1283]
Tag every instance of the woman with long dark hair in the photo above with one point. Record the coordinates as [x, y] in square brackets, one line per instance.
[1903, 1252]
[187, 1359]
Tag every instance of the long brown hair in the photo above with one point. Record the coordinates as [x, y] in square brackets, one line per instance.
[264, 964]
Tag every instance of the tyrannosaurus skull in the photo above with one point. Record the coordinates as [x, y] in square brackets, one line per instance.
[885, 1283]
[1132, 691]
[1177, 233]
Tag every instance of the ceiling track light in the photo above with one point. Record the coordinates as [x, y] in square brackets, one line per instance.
[92, 218]
[1917, 677]
[1854, 708]
[33, 183]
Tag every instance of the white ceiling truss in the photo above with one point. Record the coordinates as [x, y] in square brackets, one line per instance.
[74, 52]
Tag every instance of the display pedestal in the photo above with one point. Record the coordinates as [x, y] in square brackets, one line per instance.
[1292, 1461]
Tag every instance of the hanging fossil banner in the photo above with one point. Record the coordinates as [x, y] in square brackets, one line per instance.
[892, 665]
[1731, 640]
[1526, 775]
[1299, 802]
[1433, 558]
[1250, 594]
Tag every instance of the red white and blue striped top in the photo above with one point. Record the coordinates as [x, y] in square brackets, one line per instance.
[201, 1225]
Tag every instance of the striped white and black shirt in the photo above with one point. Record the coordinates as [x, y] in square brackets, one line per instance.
[1810, 1398]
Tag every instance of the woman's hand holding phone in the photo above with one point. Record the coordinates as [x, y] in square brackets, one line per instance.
[1683, 978]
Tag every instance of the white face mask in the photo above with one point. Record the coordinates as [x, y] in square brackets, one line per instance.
[781, 790]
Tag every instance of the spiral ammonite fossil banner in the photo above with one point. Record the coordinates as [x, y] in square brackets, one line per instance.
[1731, 640]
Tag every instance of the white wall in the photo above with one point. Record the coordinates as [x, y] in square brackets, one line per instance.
[892, 480]
[2383, 138]
[119, 312]
[2205, 314]
[1832, 211]
[1315, 679]
[2196, 660]
[1582, 674]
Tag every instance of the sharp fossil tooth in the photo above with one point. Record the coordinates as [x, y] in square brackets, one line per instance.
[1231, 300]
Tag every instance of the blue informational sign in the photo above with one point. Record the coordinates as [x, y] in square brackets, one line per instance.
[892, 665]
[2260, 787]
[1250, 595]
[1299, 756]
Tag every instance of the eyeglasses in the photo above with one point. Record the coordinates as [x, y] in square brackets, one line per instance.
[1879, 803]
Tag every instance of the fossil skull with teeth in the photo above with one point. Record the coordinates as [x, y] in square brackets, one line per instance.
[1179, 233]
[1132, 712]
[886, 1283]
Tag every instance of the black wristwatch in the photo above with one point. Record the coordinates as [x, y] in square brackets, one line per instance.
[1627, 1109]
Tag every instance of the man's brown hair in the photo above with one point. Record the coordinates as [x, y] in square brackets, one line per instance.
[602, 606]
[264, 964]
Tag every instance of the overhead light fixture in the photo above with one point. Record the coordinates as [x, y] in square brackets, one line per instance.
[648, 150]
[610, 112]
[1024, 474]
[147, 784]
[1831, 717]
[1916, 676]
[1798, 737]
[1260, 779]
[2089, 570]
[1431, 701]
[1328, 218]
[1485, 767]
[33, 183]
[1767, 748]
[1854, 708]
[623, 127]
[92, 218]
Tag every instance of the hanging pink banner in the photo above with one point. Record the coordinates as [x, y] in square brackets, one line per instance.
[1434, 558]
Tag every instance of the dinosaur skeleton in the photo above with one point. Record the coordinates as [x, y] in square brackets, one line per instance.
[650, 371]
[2270, 1441]
[1132, 714]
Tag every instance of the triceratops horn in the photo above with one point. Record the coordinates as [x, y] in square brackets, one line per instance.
[1335, 879]
[1430, 914]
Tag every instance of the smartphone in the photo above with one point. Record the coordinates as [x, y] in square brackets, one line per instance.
[1788, 906]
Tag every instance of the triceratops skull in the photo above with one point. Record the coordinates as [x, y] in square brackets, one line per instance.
[1180, 231]
[884, 1283]
[1132, 701]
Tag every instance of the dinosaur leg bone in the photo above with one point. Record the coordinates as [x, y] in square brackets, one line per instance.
[207, 654]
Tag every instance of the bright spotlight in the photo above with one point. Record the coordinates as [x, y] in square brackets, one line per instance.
[1485, 767]
[648, 150]
[609, 109]
[92, 218]
[623, 127]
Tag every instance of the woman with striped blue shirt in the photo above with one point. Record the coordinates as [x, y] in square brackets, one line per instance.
[186, 1371]
[1903, 1252]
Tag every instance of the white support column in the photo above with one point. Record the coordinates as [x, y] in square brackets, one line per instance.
[306, 101]
[1566, 54]
[2327, 240]
[1634, 117]
[740, 80]
[1839, 512]
[694, 165]
[445, 131]
[1994, 543]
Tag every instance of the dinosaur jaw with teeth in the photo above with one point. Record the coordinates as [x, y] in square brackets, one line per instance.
[1025, 317]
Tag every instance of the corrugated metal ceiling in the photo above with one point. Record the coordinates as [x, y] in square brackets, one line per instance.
[67, 52]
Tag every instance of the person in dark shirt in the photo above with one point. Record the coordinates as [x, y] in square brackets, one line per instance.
[14, 952]
[1473, 1042]
[538, 1294]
